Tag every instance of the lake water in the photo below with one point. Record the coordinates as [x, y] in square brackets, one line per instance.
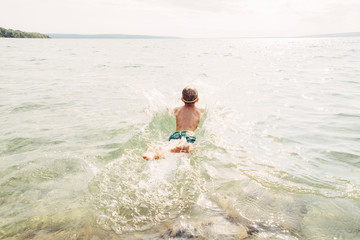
[277, 154]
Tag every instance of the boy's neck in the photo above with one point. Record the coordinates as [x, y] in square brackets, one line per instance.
[189, 105]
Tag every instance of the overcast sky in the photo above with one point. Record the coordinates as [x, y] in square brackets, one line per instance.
[183, 18]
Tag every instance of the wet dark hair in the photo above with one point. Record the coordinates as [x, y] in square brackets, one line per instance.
[189, 94]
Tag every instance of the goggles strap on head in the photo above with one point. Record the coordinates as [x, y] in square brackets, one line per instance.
[197, 99]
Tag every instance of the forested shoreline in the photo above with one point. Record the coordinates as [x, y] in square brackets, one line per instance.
[10, 33]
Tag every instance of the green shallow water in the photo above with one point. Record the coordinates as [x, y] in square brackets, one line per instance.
[276, 157]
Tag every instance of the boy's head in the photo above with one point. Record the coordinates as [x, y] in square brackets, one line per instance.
[190, 95]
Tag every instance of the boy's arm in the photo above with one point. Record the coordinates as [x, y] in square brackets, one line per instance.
[201, 110]
[176, 110]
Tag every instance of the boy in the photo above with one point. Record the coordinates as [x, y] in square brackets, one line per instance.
[187, 120]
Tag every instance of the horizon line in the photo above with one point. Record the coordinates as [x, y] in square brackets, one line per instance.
[119, 36]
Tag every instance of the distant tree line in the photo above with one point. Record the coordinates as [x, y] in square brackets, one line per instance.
[9, 33]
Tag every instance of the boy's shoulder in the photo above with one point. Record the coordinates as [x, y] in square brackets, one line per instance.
[200, 110]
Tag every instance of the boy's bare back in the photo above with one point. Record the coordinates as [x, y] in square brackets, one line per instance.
[187, 117]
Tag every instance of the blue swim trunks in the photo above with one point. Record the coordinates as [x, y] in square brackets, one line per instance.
[189, 135]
